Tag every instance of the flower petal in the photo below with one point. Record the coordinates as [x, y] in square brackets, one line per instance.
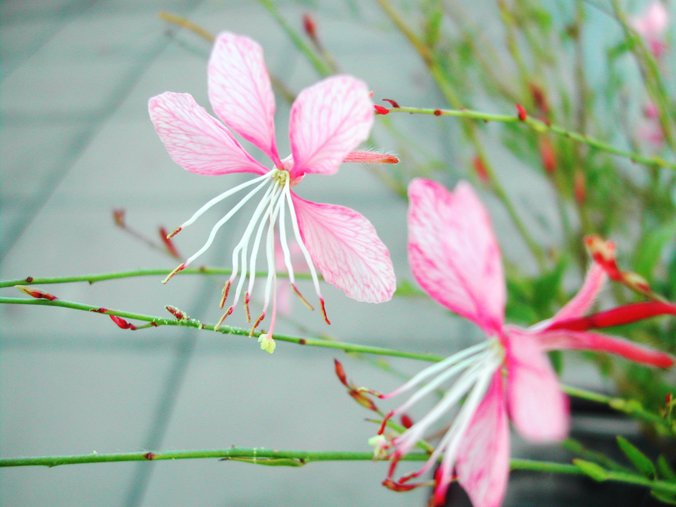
[328, 120]
[482, 466]
[576, 340]
[346, 249]
[579, 305]
[453, 252]
[537, 406]
[240, 91]
[195, 140]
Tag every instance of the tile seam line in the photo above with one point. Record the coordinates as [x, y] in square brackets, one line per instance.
[81, 143]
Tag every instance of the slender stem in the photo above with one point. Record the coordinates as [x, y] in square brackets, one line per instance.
[132, 274]
[158, 321]
[188, 25]
[271, 457]
[450, 94]
[540, 127]
[320, 65]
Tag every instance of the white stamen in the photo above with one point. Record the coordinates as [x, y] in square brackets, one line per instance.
[243, 244]
[299, 240]
[436, 368]
[222, 221]
[219, 198]
[435, 383]
[285, 246]
[259, 233]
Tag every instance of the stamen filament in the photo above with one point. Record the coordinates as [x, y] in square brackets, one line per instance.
[218, 199]
[222, 221]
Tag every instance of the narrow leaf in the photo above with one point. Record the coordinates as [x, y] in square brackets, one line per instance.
[637, 458]
[665, 470]
[593, 470]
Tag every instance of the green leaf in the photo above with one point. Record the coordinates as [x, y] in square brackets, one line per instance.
[665, 470]
[637, 458]
[596, 472]
[269, 462]
[407, 289]
[652, 245]
[667, 498]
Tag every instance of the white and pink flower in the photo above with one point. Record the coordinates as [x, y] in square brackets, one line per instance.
[455, 257]
[328, 121]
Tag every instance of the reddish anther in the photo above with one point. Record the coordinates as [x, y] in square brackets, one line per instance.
[121, 323]
[522, 112]
[224, 295]
[381, 110]
[176, 231]
[437, 112]
[326, 319]
[256, 324]
[36, 293]
[393, 103]
[168, 243]
[220, 321]
[397, 486]
[406, 421]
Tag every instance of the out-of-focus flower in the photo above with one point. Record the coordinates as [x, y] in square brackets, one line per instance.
[328, 120]
[652, 24]
[455, 257]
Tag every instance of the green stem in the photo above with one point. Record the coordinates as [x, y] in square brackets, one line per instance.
[131, 274]
[629, 407]
[271, 457]
[158, 321]
[320, 66]
[540, 127]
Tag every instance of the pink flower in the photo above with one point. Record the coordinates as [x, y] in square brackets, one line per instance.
[328, 120]
[455, 257]
[652, 24]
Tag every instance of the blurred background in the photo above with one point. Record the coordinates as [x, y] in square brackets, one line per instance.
[77, 144]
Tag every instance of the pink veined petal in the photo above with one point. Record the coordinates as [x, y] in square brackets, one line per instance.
[195, 140]
[346, 249]
[240, 91]
[328, 120]
[577, 340]
[453, 252]
[537, 406]
[482, 466]
[579, 305]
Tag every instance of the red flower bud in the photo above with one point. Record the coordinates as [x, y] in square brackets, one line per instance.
[340, 372]
[310, 27]
[118, 217]
[522, 112]
[381, 110]
[406, 421]
[392, 102]
[480, 169]
[36, 293]
[123, 324]
[548, 155]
